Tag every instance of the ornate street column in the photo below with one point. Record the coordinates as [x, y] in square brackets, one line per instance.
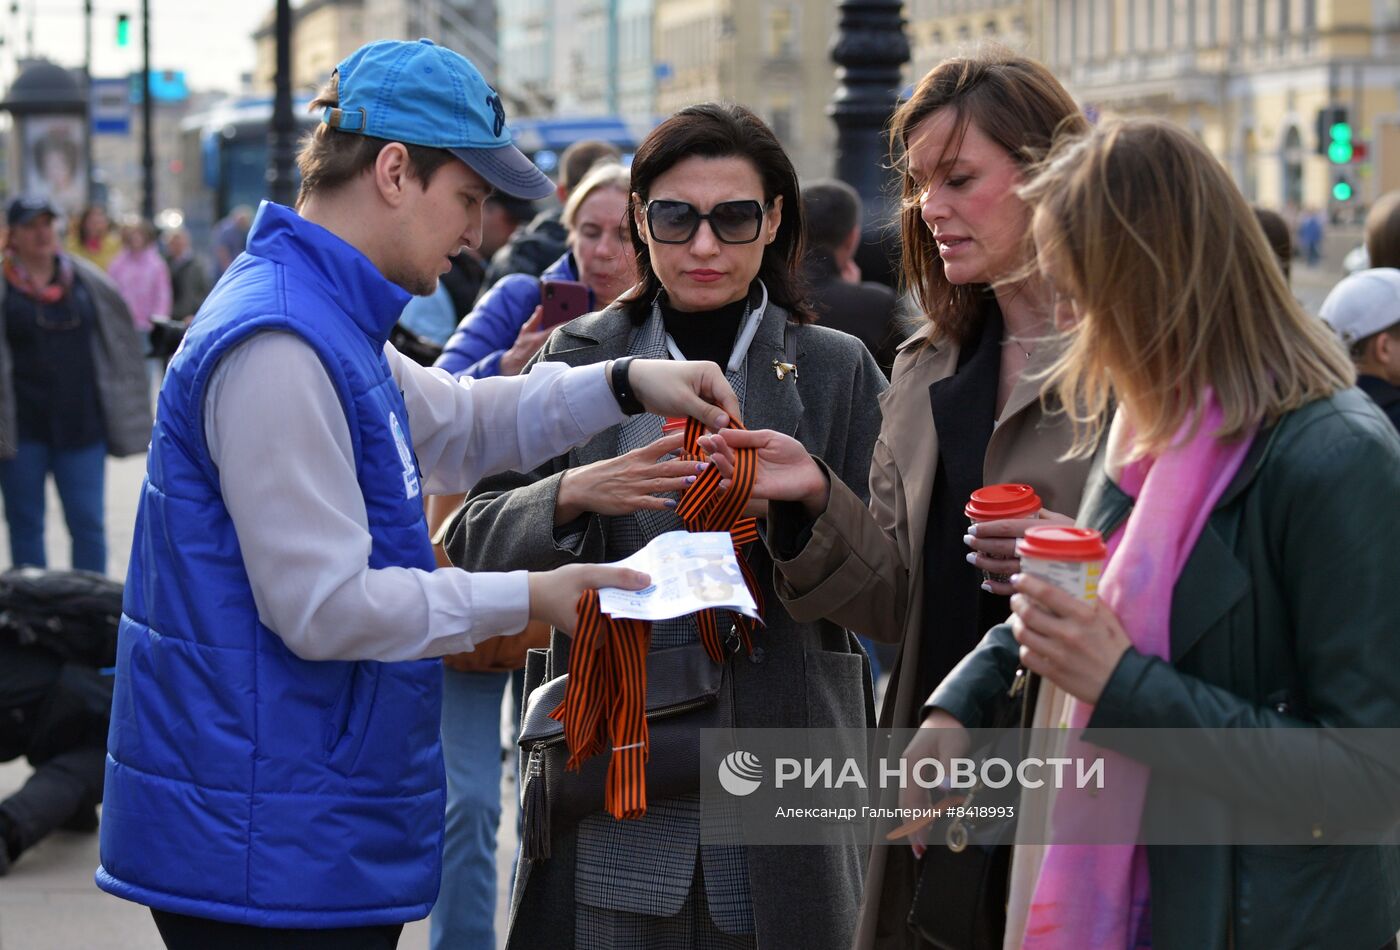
[869, 48]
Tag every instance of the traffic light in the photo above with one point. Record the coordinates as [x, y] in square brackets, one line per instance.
[1339, 148]
[1342, 190]
[123, 29]
[1328, 118]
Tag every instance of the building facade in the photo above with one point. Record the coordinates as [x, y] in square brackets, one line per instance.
[938, 29]
[323, 33]
[771, 55]
[1249, 77]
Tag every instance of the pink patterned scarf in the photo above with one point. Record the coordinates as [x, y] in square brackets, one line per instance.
[1095, 897]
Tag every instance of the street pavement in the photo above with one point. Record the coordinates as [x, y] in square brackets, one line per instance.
[49, 901]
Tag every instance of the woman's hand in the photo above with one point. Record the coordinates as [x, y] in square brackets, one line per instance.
[697, 389]
[939, 737]
[1074, 645]
[527, 343]
[786, 471]
[993, 546]
[554, 594]
[625, 483]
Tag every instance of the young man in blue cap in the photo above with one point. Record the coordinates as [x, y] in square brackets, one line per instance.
[274, 776]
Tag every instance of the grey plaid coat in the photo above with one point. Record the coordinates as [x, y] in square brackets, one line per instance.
[802, 674]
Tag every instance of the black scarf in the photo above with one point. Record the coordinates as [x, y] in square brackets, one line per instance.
[957, 612]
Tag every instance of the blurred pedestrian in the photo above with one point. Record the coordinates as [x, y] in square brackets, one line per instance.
[274, 773]
[189, 276]
[1364, 311]
[91, 236]
[503, 330]
[230, 238]
[57, 635]
[1311, 230]
[534, 247]
[141, 275]
[72, 388]
[1383, 231]
[866, 310]
[1277, 234]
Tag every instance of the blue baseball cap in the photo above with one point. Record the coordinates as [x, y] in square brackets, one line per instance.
[424, 94]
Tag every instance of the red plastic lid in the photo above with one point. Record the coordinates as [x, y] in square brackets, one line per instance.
[673, 424]
[995, 502]
[1059, 543]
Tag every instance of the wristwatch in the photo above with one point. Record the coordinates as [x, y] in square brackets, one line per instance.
[627, 400]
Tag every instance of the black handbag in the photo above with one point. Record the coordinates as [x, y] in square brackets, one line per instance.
[686, 692]
[965, 873]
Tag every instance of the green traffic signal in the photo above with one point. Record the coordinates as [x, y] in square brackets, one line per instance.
[1339, 149]
[1342, 191]
[1341, 131]
[123, 29]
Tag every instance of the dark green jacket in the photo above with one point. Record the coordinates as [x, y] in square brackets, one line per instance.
[1285, 616]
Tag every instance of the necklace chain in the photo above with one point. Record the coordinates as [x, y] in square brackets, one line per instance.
[1016, 343]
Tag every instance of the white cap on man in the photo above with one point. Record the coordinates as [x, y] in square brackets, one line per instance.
[1363, 304]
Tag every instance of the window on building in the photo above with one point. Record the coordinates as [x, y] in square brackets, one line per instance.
[990, 28]
[780, 121]
[782, 31]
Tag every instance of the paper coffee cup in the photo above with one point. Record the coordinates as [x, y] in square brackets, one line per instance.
[997, 502]
[1070, 558]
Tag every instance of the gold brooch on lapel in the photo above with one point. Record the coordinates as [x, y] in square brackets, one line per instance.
[781, 369]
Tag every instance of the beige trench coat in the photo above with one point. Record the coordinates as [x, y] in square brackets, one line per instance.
[863, 568]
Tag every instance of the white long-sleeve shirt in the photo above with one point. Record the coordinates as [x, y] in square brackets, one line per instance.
[278, 435]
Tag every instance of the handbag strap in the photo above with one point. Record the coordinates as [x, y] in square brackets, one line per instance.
[605, 699]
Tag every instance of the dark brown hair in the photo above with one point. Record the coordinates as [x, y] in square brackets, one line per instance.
[1014, 101]
[721, 130]
[330, 158]
[1383, 231]
[1276, 231]
[578, 159]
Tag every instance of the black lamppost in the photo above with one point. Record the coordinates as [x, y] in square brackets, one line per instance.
[148, 148]
[869, 48]
[282, 133]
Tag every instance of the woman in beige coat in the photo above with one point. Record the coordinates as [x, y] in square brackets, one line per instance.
[963, 410]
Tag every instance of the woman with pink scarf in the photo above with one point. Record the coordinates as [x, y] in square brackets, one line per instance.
[1250, 499]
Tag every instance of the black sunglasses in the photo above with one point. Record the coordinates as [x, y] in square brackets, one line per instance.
[733, 222]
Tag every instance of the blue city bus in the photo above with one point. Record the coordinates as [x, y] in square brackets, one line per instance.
[544, 139]
[225, 151]
[224, 158]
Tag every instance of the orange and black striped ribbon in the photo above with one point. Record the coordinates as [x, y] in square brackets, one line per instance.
[605, 702]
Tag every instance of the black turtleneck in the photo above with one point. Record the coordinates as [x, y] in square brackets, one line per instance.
[704, 334]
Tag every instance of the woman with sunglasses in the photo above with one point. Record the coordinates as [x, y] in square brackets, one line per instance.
[73, 388]
[716, 222]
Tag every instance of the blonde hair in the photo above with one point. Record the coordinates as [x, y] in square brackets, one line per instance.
[1014, 101]
[1175, 287]
[600, 176]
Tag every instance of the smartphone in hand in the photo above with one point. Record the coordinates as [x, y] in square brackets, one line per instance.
[562, 301]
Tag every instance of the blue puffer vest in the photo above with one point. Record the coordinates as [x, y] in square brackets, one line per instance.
[245, 784]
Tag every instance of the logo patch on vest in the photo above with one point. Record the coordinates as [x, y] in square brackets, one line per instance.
[410, 470]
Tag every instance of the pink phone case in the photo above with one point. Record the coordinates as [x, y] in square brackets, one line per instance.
[562, 301]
